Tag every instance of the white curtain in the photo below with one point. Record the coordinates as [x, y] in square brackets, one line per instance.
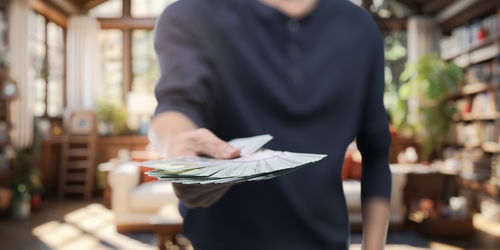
[83, 63]
[22, 115]
[423, 37]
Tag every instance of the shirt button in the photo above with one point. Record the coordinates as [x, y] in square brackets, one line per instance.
[294, 51]
[293, 25]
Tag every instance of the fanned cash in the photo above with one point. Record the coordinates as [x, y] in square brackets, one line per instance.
[255, 163]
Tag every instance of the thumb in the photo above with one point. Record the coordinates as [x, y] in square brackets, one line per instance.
[213, 146]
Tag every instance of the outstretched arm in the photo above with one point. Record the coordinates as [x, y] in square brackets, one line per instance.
[374, 142]
[174, 135]
[185, 106]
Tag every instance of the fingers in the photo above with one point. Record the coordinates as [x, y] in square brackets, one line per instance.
[204, 142]
[201, 141]
[197, 195]
[210, 145]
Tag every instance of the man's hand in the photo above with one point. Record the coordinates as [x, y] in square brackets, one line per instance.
[196, 142]
[175, 135]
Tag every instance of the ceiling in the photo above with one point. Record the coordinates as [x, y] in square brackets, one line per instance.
[427, 7]
[70, 7]
[461, 10]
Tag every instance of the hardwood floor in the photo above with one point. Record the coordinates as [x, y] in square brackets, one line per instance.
[89, 225]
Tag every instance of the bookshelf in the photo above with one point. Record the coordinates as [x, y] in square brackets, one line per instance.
[7, 95]
[474, 138]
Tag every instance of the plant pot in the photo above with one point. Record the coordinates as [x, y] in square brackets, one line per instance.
[105, 128]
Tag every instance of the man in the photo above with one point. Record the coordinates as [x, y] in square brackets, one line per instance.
[309, 72]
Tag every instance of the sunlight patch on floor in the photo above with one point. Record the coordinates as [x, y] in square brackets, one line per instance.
[89, 227]
[489, 227]
[389, 247]
[442, 246]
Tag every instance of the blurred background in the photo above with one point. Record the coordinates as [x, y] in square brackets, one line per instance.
[76, 99]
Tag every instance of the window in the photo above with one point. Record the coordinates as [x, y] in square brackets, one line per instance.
[144, 64]
[37, 61]
[149, 8]
[108, 9]
[46, 65]
[111, 63]
[55, 46]
[128, 59]
[3, 33]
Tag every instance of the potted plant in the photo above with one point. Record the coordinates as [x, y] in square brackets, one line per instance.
[112, 119]
[422, 106]
[27, 184]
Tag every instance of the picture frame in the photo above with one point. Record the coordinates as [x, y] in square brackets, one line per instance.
[82, 123]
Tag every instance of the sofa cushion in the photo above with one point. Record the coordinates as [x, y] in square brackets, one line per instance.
[352, 193]
[151, 196]
[144, 177]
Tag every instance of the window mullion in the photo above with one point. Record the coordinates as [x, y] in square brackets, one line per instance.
[45, 69]
[127, 62]
[126, 8]
[64, 81]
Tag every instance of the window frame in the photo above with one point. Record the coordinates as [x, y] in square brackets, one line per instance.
[46, 66]
[127, 24]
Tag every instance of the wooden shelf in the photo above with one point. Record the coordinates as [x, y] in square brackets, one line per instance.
[470, 117]
[461, 12]
[480, 53]
[491, 147]
[472, 89]
[483, 186]
[475, 47]
[488, 147]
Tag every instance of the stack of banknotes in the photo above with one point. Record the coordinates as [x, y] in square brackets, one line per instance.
[254, 163]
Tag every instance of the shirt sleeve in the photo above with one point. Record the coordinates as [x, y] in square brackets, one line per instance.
[185, 81]
[373, 137]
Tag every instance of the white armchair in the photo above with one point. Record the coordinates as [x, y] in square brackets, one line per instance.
[136, 204]
[352, 192]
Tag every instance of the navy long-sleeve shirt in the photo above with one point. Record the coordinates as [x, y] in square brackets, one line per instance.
[241, 68]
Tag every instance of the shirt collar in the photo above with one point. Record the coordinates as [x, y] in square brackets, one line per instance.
[270, 13]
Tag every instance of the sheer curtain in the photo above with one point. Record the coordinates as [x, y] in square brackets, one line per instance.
[423, 36]
[21, 109]
[83, 63]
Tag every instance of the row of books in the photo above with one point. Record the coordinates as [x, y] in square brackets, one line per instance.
[464, 37]
[474, 134]
[495, 174]
[474, 164]
[485, 104]
[488, 72]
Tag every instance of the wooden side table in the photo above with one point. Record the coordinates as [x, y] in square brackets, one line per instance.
[166, 232]
[167, 224]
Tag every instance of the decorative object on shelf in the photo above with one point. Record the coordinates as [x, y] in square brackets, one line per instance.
[409, 155]
[140, 109]
[430, 80]
[82, 123]
[8, 88]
